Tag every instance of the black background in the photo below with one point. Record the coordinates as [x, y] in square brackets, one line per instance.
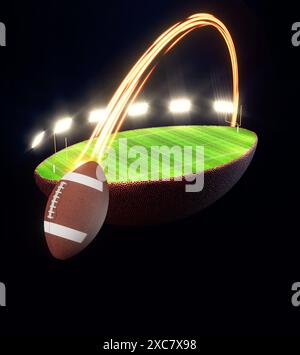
[225, 271]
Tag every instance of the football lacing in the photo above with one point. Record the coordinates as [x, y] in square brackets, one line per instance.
[55, 199]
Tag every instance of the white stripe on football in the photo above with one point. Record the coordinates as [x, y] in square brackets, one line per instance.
[76, 210]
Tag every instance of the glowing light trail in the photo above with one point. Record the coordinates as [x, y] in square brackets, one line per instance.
[133, 83]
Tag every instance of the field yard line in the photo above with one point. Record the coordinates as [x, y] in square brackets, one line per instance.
[220, 142]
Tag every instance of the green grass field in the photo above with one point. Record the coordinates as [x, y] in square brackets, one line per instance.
[221, 145]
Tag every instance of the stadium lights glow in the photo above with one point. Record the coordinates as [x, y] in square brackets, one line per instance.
[223, 106]
[180, 106]
[62, 125]
[97, 116]
[138, 109]
[37, 139]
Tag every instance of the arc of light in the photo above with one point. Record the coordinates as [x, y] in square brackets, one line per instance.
[133, 83]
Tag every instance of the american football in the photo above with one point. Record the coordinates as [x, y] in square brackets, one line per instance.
[76, 210]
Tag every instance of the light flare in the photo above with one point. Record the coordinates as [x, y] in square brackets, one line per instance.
[98, 115]
[222, 106]
[179, 106]
[138, 109]
[62, 125]
[37, 140]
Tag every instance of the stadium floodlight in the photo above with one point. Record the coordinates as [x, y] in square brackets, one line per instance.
[138, 109]
[179, 106]
[97, 116]
[37, 140]
[63, 125]
[222, 106]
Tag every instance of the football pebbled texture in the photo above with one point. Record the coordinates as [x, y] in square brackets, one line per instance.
[76, 210]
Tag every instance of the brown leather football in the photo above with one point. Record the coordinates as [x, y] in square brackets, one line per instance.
[76, 210]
